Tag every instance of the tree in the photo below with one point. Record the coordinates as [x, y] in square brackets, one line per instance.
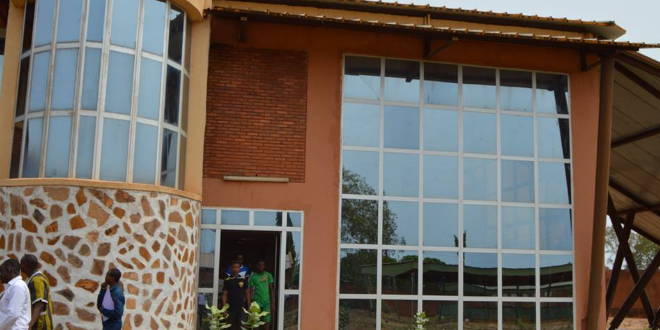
[643, 249]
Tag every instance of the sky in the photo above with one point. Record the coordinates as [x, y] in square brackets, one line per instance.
[640, 18]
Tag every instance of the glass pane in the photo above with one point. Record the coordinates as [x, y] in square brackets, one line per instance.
[554, 183]
[206, 258]
[554, 139]
[293, 257]
[555, 229]
[360, 172]
[556, 276]
[145, 156]
[440, 130]
[552, 93]
[361, 125]
[32, 148]
[153, 33]
[362, 77]
[86, 139]
[168, 159]
[267, 218]
[294, 219]
[480, 179]
[518, 275]
[39, 81]
[359, 221]
[176, 34]
[172, 95]
[402, 81]
[518, 316]
[149, 97]
[518, 229]
[517, 181]
[357, 314]
[440, 177]
[29, 25]
[44, 30]
[234, 217]
[68, 22]
[440, 84]
[114, 150]
[119, 91]
[479, 315]
[17, 140]
[96, 20]
[208, 216]
[517, 136]
[400, 272]
[187, 54]
[124, 22]
[397, 314]
[479, 89]
[182, 164]
[90, 93]
[556, 316]
[184, 103]
[401, 175]
[480, 275]
[479, 133]
[400, 223]
[291, 305]
[440, 225]
[442, 315]
[64, 82]
[357, 271]
[59, 143]
[440, 273]
[22, 86]
[203, 299]
[516, 90]
[401, 127]
[480, 226]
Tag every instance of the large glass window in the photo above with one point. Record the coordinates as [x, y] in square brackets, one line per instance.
[456, 197]
[97, 112]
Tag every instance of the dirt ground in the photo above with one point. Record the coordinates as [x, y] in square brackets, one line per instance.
[632, 324]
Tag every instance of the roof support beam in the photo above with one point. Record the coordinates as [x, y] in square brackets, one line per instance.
[632, 60]
[636, 137]
[641, 209]
[428, 53]
[618, 263]
[637, 80]
[623, 191]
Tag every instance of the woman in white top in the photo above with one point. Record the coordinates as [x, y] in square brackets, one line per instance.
[15, 310]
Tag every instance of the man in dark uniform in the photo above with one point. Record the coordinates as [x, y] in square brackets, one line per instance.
[235, 291]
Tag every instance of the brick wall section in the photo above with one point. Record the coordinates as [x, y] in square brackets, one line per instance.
[256, 113]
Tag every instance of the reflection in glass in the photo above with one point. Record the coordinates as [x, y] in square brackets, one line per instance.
[208, 216]
[154, 26]
[479, 89]
[294, 219]
[59, 142]
[206, 257]
[39, 81]
[267, 218]
[90, 91]
[182, 164]
[357, 314]
[555, 229]
[44, 30]
[404, 227]
[517, 181]
[362, 77]
[291, 312]
[114, 150]
[401, 127]
[556, 316]
[518, 229]
[516, 90]
[68, 22]
[32, 148]
[172, 95]
[64, 81]
[357, 271]
[518, 315]
[442, 315]
[293, 257]
[28, 27]
[149, 96]
[95, 20]
[184, 103]
[552, 93]
[480, 179]
[175, 43]
[85, 156]
[517, 136]
[518, 275]
[440, 177]
[440, 225]
[554, 183]
[124, 22]
[556, 275]
[360, 172]
[359, 221]
[402, 81]
[480, 226]
[22, 86]
[119, 89]
[17, 140]
[553, 137]
[480, 274]
[479, 133]
[234, 217]
[440, 276]
[168, 158]
[440, 84]
[203, 299]
[479, 315]
[440, 130]
[400, 272]
[401, 175]
[397, 314]
[188, 44]
[361, 125]
[145, 156]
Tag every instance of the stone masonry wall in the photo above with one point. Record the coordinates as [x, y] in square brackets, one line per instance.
[80, 233]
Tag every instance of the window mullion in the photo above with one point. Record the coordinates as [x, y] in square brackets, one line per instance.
[103, 76]
[134, 99]
[161, 108]
[75, 116]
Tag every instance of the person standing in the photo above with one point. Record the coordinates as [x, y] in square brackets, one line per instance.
[236, 292]
[261, 285]
[15, 301]
[110, 301]
[39, 287]
[244, 271]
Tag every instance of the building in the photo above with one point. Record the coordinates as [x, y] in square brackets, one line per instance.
[382, 159]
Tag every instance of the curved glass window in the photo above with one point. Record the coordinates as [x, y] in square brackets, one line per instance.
[101, 95]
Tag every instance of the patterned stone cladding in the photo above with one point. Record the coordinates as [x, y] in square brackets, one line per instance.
[80, 233]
